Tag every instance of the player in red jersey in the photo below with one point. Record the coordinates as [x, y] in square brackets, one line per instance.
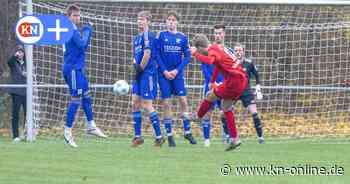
[234, 84]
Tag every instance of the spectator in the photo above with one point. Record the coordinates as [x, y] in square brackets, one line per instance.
[17, 66]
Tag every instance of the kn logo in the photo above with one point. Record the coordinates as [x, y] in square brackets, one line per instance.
[26, 29]
[44, 29]
[29, 29]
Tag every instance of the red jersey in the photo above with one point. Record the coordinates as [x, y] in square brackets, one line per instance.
[224, 61]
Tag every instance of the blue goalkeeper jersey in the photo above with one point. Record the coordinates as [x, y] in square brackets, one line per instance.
[74, 54]
[173, 51]
[143, 41]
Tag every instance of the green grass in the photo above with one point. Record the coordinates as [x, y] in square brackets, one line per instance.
[113, 161]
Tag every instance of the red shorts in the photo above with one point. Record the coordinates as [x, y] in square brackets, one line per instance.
[232, 88]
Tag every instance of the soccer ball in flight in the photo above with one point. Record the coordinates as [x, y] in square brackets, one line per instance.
[120, 88]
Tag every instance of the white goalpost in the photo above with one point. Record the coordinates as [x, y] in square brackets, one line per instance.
[300, 47]
[29, 57]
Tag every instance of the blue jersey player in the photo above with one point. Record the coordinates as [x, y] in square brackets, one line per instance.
[173, 56]
[247, 97]
[144, 87]
[74, 75]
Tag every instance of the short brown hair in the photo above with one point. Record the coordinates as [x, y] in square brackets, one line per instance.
[146, 14]
[173, 13]
[71, 8]
[219, 26]
[200, 40]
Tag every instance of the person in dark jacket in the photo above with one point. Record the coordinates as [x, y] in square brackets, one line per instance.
[18, 74]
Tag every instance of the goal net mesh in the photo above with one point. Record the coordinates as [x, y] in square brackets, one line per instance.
[301, 52]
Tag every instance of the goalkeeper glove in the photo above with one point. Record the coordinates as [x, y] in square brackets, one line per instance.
[138, 71]
[259, 95]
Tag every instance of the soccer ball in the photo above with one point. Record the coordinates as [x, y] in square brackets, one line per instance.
[120, 88]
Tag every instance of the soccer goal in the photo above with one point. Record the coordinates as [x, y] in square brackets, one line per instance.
[300, 47]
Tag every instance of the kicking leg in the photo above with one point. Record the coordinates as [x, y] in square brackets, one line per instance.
[206, 104]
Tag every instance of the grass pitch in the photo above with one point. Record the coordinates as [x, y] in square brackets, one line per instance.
[114, 161]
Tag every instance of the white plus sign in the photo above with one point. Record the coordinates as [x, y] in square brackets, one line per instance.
[57, 29]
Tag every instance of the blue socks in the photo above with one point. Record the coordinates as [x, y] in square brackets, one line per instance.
[86, 102]
[187, 126]
[137, 123]
[153, 116]
[72, 110]
[167, 125]
[206, 128]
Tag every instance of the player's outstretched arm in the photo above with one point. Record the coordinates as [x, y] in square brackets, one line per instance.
[202, 58]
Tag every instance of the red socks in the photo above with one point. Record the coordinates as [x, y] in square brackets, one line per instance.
[230, 117]
[231, 125]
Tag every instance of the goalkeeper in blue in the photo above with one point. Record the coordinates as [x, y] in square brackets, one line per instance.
[74, 75]
[173, 56]
[247, 97]
[144, 87]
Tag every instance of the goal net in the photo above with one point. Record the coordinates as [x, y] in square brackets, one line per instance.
[302, 52]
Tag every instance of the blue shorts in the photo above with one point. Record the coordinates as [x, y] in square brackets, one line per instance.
[217, 103]
[77, 82]
[146, 86]
[175, 87]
